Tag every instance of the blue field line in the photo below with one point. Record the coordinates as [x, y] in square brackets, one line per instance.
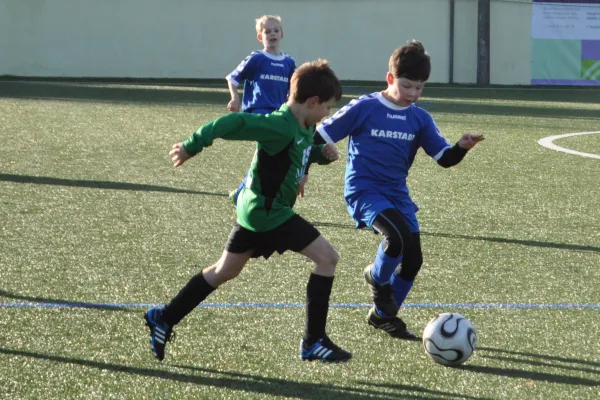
[298, 305]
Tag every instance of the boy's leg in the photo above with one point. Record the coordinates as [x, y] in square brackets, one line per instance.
[397, 238]
[204, 283]
[315, 344]
[161, 320]
[391, 224]
[404, 276]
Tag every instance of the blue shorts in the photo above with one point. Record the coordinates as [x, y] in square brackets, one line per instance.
[364, 207]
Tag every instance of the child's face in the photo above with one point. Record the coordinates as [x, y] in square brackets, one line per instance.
[408, 90]
[317, 110]
[271, 35]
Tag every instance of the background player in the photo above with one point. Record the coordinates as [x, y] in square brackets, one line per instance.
[266, 75]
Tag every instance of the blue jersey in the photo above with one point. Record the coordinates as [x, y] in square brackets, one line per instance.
[383, 140]
[267, 81]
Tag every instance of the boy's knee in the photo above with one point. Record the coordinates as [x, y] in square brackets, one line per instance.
[410, 266]
[396, 243]
[332, 258]
[226, 272]
[326, 263]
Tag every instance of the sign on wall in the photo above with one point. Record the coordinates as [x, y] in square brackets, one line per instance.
[565, 48]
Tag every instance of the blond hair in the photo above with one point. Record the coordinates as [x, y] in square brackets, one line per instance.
[262, 20]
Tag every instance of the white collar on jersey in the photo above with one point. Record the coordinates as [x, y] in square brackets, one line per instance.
[280, 57]
[388, 103]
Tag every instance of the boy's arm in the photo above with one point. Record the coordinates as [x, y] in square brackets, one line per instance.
[437, 147]
[344, 122]
[323, 154]
[453, 155]
[317, 140]
[233, 81]
[237, 126]
[235, 102]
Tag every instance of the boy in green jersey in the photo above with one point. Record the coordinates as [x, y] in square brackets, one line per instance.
[266, 221]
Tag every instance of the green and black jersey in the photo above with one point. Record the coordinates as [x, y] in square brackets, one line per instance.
[283, 151]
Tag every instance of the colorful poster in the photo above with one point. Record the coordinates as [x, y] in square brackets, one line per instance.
[565, 47]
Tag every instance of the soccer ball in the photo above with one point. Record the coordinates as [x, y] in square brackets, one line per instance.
[449, 339]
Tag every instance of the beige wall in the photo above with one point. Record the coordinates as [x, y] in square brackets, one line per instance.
[465, 41]
[510, 42]
[208, 38]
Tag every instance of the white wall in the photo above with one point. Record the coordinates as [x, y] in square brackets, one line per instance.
[465, 41]
[510, 42]
[208, 38]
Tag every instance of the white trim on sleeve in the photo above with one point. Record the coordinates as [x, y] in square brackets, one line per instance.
[324, 134]
[441, 153]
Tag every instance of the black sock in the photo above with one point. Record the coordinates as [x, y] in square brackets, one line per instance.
[317, 306]
[188, 298]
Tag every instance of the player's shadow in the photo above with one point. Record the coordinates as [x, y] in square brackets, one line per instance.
[113, 93]
[51, 302]
[235, 382]
[533, 243]
[532, 359]
[522, 357]
[84, 183]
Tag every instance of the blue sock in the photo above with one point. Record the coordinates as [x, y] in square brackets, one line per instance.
[384, 266]
[401, 288]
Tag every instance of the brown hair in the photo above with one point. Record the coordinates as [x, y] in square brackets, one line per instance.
[411, 61]
[315, 78]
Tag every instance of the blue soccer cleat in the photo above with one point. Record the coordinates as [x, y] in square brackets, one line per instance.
[324, 350]
[160, 333]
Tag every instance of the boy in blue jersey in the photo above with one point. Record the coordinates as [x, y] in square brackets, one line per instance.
[385, 130]
[266, 75]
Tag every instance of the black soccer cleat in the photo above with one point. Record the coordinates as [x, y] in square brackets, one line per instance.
[160, 332]
[324, 350]
[394, 327]
[383, 295]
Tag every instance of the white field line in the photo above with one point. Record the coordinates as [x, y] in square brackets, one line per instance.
[548, 143]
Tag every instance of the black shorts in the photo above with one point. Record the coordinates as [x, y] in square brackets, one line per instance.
[294, 234]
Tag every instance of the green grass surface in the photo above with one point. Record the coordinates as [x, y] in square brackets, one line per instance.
[91, 210]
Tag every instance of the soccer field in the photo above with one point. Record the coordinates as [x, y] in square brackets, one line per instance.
[96, 225]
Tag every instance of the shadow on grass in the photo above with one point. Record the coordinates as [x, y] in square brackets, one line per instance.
[533, 375]
[544, 357]
[217, 95]
[356, 391]
[46, 180]
[247, 382]
[62, 303]
[106, 92]
[532, 243]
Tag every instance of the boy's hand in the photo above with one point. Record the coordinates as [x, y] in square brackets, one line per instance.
[330, 152]
[178, 154]
[468, 141]
[234, 105]
[301, 186]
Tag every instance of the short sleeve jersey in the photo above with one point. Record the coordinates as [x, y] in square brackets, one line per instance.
[266, 79]
[383, 140]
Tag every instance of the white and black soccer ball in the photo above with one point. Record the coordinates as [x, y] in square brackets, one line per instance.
[449, 339]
